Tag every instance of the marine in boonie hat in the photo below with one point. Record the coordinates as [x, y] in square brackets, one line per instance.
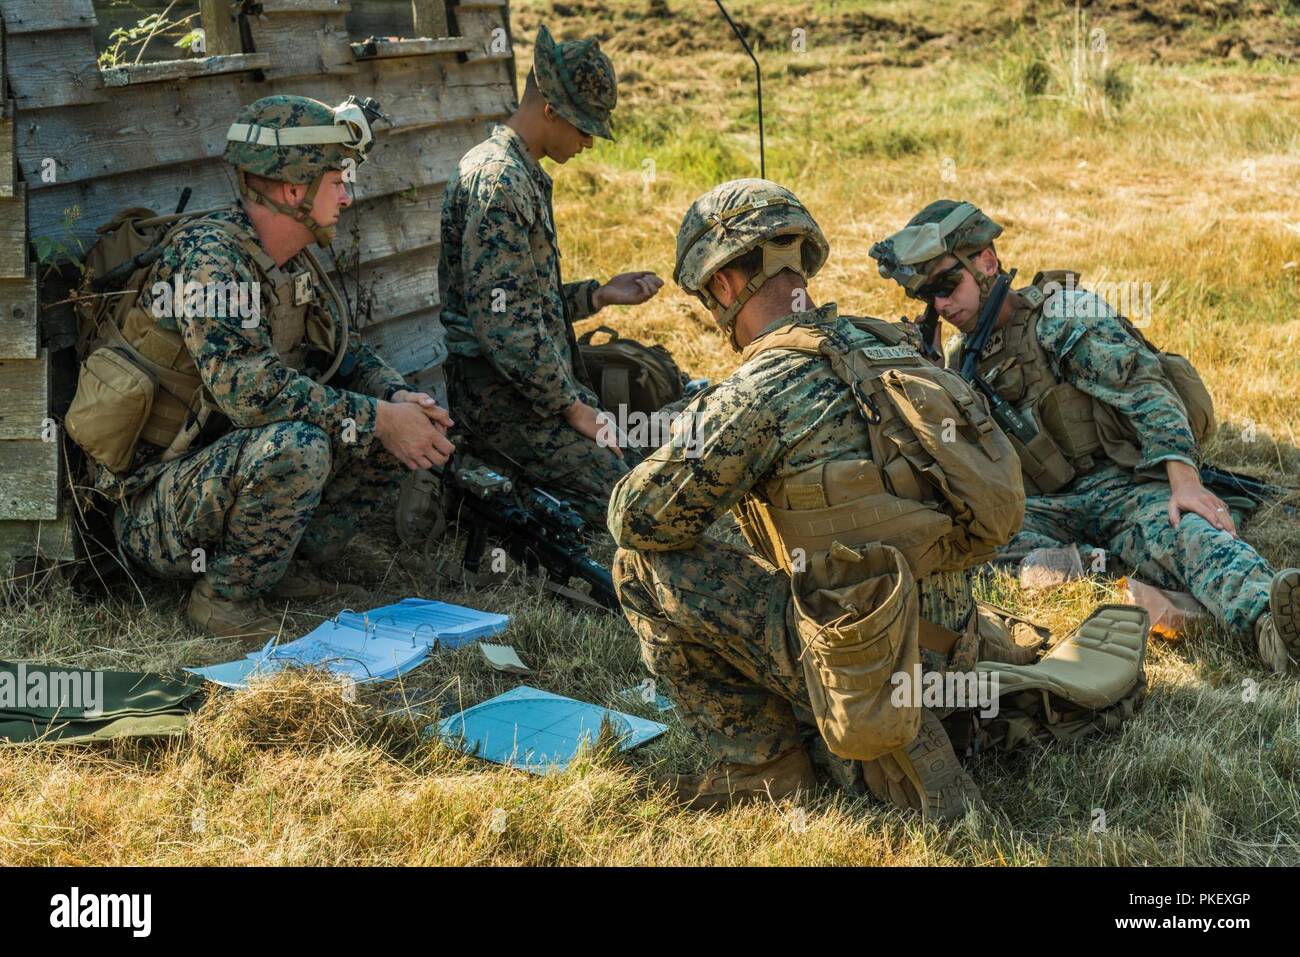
[578, 80]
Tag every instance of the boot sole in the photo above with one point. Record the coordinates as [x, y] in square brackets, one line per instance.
[1282, 648]
[925, 776]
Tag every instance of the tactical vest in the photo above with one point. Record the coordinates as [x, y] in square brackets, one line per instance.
[138, 381]
[1076, 433]
[942, 485]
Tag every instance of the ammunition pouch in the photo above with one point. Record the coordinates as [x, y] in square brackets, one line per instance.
[855, 614]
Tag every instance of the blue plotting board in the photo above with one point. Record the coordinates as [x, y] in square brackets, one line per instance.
[537, 731]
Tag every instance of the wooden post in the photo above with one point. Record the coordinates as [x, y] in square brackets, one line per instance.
[430, 18]
[221, 32]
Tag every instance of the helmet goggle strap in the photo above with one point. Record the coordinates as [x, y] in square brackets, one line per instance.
[350, 129]
[776, 257]
[302, 212]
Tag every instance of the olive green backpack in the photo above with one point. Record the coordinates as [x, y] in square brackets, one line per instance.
[630, 374]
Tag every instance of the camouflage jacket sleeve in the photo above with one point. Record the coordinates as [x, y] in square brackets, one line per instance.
[504, 301]
[720, 447]
[246, 378]
[1093, 351]
[366, 372]
[578, 297]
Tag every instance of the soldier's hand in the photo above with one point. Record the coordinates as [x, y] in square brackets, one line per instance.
[407, 430]
[595, 425]
[627, 289]
[436, 413]
[1187, 494]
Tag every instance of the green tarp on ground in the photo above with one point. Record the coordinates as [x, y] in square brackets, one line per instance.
[56, 705]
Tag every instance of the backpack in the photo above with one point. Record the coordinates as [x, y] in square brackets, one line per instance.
[630, 374]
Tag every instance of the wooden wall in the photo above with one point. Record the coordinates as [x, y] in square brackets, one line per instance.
[137, 136]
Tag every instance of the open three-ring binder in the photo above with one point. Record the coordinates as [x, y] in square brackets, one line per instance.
[375, 645]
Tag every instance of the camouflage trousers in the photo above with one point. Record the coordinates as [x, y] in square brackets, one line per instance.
[1107, 509]
[239, 509]
[712, 624]
[509, 435]
[713, 628]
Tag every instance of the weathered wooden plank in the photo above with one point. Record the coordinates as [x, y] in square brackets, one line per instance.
[52, 540]
[485, 26]
[397, 286]
[388, 225]
[429, 18]
[13, 234]
[220, 28]
[38, 16]
[303, 44]
[53, 69]
[29, 480]
[410, 343]
[164, 124]
[7, 153]
[386, 49]
[24, 397]
[165, 70]
[99, 200]
[19, 321]
[305, 6]
[415, 158]
[399, 161]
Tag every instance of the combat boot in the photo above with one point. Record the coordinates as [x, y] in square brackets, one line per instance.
[1277, 632]
[419, 513]
[221, 617]
[303, 583]
[925, 776]
[728, 783]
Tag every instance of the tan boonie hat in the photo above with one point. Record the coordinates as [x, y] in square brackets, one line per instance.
[578, 80]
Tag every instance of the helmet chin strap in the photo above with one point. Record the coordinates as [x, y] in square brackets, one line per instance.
[985, 282]
[776, 257]
[302, 213]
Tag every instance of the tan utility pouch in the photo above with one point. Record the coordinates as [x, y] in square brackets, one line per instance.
[113, 401]
[855, 612]
[1066, 413]
[1046, 470]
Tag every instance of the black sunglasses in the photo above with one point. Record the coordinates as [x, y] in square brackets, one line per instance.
[942, 285]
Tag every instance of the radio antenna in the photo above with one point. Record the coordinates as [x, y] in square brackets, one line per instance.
[758, 81]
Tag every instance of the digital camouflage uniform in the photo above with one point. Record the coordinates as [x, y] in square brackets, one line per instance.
[795, 446]
[1124, 511]
[514, 365]
[298, 470]
[1108, 413]
[711, 616]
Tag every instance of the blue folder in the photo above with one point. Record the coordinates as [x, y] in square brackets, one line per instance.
[537, 731]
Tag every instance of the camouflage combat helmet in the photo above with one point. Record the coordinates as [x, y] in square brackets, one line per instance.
[578, 80]
[294, 139]
[942, 228]
[734, 218]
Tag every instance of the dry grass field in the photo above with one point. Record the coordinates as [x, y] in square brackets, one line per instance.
[1164, 149]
